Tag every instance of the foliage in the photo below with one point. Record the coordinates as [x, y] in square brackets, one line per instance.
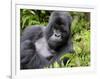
[33, 17]
[80, 35]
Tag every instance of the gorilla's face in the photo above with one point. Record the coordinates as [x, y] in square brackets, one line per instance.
[58, 38]
[60, 29]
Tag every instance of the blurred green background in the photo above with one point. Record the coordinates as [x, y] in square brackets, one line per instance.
[80, 34]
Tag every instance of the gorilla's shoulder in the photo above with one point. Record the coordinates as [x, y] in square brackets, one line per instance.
[31, 28]
[31, 31]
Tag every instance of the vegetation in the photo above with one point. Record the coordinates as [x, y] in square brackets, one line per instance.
[80, 34]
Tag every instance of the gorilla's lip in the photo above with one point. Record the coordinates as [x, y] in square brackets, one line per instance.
[55, 41]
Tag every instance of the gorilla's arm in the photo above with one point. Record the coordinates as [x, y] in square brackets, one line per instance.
[37, 61]
[34, 49]
[31, 33]
[27, 50]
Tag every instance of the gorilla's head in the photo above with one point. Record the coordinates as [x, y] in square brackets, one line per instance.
[59, 29]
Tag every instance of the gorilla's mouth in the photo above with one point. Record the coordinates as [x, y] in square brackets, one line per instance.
[54, 45]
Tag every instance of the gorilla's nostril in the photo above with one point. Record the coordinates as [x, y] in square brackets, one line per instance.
[57, 35]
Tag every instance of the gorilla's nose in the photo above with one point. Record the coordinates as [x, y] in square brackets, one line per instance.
[57, 35]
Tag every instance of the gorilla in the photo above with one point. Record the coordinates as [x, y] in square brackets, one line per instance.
[40, 46]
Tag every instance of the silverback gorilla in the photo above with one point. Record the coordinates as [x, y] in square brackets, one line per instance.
[41, 46]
